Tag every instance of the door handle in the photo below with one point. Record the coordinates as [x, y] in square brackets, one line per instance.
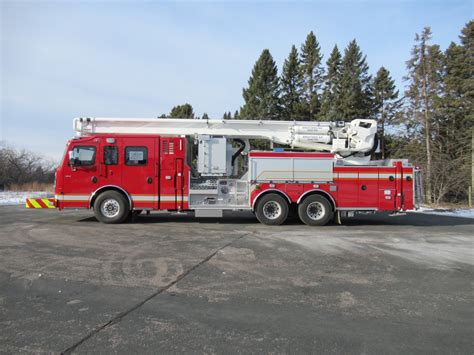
[149, 180]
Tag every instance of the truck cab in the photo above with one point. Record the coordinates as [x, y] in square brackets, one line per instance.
[146, 171]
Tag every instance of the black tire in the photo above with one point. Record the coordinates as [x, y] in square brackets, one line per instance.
[111, 207]
[272, 210]
[315, 210]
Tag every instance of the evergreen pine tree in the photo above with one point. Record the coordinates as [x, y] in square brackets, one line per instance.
[455, 121]
[205, 116]
[262, 95]
[236, 115]
[331, 99]
[312, 76]
[182, 111]
[386, 104]
[467, 42]
[291, 86]
[356, 94]
[425, 87]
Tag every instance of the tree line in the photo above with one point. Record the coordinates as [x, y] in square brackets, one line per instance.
[429, 123]
[19, 167]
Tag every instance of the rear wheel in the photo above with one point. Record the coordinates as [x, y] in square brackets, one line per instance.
[111, 207]
[272, 209]
[315, 210]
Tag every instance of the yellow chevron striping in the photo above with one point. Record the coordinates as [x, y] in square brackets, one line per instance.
[47, 202]
[34, 203]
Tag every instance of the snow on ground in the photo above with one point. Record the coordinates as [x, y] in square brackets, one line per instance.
[451, 212]
[18, 198]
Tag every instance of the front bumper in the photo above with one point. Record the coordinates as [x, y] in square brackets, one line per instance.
[40, 203]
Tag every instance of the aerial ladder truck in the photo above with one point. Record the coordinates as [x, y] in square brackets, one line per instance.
[122, 166]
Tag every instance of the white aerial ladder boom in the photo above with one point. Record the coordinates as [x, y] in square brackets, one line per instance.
[344, 138]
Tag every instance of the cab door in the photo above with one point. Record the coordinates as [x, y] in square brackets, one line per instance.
[110, 171]
[80, 174]
[138, 171]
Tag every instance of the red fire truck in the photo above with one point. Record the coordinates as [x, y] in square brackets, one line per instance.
[120, 167]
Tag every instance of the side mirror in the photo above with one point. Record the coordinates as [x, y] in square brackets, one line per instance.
[72, 160]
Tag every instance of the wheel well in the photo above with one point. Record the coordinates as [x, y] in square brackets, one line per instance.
[110, 188]
[321, 193]
[266, 192]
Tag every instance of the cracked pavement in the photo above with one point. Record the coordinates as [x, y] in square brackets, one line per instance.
[175, 283]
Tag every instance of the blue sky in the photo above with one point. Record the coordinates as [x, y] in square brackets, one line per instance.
[65, 59]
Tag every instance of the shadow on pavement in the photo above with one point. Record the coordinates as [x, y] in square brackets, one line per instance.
[410, 219]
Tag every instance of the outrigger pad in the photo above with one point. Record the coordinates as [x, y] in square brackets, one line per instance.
[40, 203]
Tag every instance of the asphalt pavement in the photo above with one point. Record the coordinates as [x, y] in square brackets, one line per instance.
[174, 283]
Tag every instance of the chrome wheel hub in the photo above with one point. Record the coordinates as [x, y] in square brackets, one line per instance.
[315, 211]
[110, 208]
[272, 210]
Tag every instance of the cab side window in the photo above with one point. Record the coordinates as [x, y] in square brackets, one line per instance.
[82, 156]
[110, 155]
[136, 155]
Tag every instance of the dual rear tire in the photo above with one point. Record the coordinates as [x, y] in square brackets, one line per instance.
[315, 210]
[272, 209]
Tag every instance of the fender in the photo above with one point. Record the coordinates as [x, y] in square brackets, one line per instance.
[265, 191]
[106, 186]
[325, 193]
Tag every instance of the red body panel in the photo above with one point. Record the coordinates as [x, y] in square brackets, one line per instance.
[354, 188]
[163, 181]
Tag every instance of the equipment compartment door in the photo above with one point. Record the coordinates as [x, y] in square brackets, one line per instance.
[179, 183]
[387, 189]
[172, 183]
[368, 188]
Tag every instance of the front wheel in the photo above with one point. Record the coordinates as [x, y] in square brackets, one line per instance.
[111, 207]
[315, 210]
[272, 209]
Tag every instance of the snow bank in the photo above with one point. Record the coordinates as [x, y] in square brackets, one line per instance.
[18, 198]
[454, 212]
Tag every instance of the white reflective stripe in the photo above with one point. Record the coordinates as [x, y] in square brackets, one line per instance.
[369, 175]
[168, 198]
[144, 198]
[72, 197]
[386, 176]
[348, 175]
[151, 198]
[171, 198]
